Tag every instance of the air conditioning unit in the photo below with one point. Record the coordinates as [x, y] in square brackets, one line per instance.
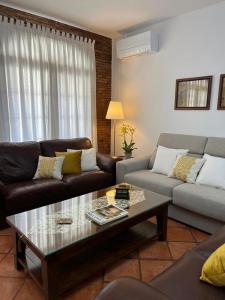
[146, 42]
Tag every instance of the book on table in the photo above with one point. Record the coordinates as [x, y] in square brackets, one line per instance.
[106, 214]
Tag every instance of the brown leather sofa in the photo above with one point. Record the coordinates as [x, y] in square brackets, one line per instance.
[179, 282]
[18, 163]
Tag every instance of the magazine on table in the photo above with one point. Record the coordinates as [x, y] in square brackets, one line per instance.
[106, 214]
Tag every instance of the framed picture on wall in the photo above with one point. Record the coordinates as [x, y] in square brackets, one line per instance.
[193, 93]
[221, 98]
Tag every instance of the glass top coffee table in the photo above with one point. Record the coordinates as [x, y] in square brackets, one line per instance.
[58, 257]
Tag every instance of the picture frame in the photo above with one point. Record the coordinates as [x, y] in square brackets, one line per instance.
[193, 93]
[221, 95]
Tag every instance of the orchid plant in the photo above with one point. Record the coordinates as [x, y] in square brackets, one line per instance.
[127, 133]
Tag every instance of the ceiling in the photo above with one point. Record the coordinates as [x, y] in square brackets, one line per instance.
[110, 17]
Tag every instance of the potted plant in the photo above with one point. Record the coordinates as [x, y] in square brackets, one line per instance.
[127, 132]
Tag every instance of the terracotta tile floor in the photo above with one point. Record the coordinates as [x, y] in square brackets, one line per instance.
[145, 264]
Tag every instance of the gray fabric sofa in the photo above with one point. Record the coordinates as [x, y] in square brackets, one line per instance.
[197, 205]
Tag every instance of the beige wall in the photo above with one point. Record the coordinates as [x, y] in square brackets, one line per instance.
[190, 45]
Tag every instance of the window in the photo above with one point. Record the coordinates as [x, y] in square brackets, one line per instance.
[47, 84]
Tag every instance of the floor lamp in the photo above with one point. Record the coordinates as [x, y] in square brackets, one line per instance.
[115, 112]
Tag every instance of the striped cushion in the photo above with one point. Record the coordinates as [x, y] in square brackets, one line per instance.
[186, 168]
[49, 167]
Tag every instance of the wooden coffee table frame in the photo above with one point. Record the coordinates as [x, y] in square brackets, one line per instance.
[65, 268]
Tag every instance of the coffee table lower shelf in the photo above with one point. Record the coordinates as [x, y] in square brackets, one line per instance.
[75, 270]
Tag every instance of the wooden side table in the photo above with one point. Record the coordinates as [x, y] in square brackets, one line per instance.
[122, 157]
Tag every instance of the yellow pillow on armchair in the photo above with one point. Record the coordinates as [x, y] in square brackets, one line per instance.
[213, 270]
[71, 163]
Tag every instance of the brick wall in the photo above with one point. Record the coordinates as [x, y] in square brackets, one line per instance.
[103, 54]
[103, 92]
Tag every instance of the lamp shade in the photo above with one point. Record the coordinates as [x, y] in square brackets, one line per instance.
[115, 111]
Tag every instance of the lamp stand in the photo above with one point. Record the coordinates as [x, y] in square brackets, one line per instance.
[114, 137]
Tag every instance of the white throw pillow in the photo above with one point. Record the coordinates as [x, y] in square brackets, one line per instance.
[88, 159]
[165, 159]
[49, 167]
[213, 172]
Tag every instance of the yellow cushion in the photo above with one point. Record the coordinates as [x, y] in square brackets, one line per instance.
[71, 163]
[213, 270]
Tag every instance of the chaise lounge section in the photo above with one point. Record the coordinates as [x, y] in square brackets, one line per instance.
[196, 205]
[180, 281]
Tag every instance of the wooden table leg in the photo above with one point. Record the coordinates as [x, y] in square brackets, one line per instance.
[162, 217]
[50, 280]
[19, 250]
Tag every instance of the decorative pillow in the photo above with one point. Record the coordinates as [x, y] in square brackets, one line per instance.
[165, 159]
[213, 270]
[49, 167]
[88, 159]
[186, 168]
[71, 163]
[213, 172]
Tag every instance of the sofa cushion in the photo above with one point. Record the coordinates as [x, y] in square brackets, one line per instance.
[215, 146]
[212, 173]
[87, 182]
[71, 163]
[205, 200]
[18, 161]
[49, 147]
[88, 159]
[181, 281]
[152, 181]
[49, 167]
[195, 144]
[186, 168]
[30, 194]
[165, 159]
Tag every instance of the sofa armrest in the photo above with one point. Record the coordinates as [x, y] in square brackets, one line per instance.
[208, 246]
[130, 165]
[129, 289]
[106, 163]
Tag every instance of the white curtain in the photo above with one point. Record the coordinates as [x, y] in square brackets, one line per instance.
[47, 84]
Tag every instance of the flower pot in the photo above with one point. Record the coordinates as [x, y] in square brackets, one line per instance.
[128, 155]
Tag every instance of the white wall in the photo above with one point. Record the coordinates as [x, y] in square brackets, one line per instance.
[190, 45]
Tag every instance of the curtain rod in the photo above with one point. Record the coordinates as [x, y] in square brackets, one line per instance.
[42, 27]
